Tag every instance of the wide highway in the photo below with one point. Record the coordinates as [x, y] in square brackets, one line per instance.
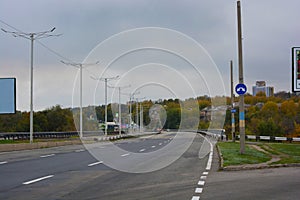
[71, 172]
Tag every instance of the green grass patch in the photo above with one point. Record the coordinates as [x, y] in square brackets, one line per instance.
[288, 160]
[231, 154]
[289, 153]
[269, 149]
[289, 149]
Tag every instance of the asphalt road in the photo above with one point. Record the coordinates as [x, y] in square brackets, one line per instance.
[71, 173]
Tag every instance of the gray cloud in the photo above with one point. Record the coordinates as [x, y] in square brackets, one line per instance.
[269, 30]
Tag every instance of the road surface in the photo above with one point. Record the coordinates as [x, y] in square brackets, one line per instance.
[70, 173]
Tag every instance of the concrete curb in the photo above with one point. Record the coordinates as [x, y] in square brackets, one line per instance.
[221, 160]
[38, 145]
[257, 166]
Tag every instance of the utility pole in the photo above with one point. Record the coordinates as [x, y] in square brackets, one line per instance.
[31, 37]
[141, 118]
[106, 79]
[80, 66]
[131, 96]
[120, 108]
[232, 103]
[241, 81]
[137, 112]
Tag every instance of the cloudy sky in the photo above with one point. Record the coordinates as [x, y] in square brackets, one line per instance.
[270, 29]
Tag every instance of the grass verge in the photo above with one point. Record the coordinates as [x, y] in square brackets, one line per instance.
[289, 153]
[231, 154]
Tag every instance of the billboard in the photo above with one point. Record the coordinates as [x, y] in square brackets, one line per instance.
[7, 95]
[296, 69]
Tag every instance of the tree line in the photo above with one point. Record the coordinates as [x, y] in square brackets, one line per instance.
[275, 116]
[278, 115]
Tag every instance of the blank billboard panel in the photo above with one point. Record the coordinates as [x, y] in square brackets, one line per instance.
[7, 95]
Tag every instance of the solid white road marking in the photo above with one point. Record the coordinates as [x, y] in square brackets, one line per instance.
[126, 154]
[160, 144]
[208, 167]
[203, 177]
[49, 155]
[205, 173]
[195, 198]
[38, 179]
[4, 162]
[142, 150]
[96, 163]
[79, 150]
[201, 182]
[153, 146]
[199, 190]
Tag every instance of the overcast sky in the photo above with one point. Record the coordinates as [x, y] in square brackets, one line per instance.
[270, 30]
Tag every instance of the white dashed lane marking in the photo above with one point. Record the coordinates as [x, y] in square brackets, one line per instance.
[205, 173]
[37, 180]
[153, 146]
[96, 163]
[126, 154]
[160, 144]
[201, 182]
[79, 150]
[49, 155]
[203, 177]
[142, 150]
[195, 198]
[198, 190]
[2, 163]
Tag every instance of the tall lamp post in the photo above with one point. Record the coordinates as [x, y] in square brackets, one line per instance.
[80, 66]
[120, 109]
[106, 79]
[31, 37]
[137, 111]
[232, 103]
[131, 97]
[241, 80]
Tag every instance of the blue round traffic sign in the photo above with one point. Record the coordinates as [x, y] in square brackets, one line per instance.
[240, 89]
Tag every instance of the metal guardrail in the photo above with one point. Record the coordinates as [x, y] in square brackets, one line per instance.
[52, 135]
[270, 138]
[217, 134]
[36, 135]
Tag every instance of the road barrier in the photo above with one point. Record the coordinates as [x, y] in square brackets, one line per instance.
[36, 135]
[270, 138]
[218, 134]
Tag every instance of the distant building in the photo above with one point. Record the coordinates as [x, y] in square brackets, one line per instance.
[262, 87]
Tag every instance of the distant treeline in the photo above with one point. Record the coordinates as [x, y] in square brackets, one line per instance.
[275, 116]
[278, 115]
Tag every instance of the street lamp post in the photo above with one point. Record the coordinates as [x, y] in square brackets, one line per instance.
[106, 79]
[131, 96]
[80, 66]
[31, 37]
[141, 117]
[137, 112]
[241, 80]
[120, 109]
[232, 103]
